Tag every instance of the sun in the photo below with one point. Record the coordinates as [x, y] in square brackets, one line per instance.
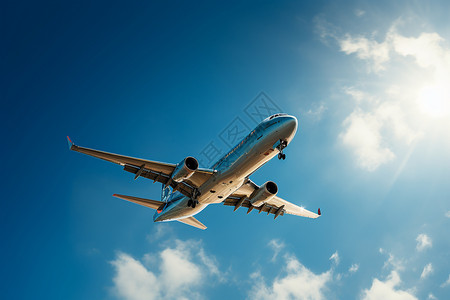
[434, 101]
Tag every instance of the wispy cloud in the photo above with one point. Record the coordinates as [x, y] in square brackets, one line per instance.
[353, 268]
[423, 242]
[392, 262]
[366, 49]
[359, 12]
[447, 214]
[316, 111]
[387, 289]
[335, 258]
[276, 246]
[446, 283]
[179, 272]
[427, 270]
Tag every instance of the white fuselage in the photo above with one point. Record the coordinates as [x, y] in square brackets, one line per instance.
[232, 170]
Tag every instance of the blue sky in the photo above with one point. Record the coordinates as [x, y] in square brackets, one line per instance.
[368, 83]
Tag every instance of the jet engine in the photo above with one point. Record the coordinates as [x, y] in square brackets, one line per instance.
[265, 192]
[185, 169]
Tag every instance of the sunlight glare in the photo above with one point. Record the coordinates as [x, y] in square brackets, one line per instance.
[434, 101]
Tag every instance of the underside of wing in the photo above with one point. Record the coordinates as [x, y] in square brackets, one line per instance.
[126, 160]
[154, 170]
[276, 205]
[193, 222]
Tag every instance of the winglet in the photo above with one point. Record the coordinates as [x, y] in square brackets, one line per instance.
[319, 213]
[69, 141]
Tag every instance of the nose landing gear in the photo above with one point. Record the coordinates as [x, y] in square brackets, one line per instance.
[280, 147]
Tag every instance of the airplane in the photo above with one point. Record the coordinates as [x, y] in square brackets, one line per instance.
[188, 189]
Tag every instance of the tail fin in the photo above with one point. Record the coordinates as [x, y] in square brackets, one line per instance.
[165, 193]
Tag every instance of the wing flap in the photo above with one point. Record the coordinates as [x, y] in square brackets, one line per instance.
[271, 206]
[155, 170]
[193, 222]
[124, 160]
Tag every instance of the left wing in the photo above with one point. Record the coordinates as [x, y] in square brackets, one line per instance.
[276, 205]
[154, 170]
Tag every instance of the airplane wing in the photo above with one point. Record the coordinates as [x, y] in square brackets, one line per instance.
[193, 222]
[276, 205]
[154, 170]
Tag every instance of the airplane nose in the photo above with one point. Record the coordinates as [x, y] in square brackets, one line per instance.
[291, 123]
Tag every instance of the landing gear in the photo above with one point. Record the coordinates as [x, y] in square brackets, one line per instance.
[280, 147]
[192, 203]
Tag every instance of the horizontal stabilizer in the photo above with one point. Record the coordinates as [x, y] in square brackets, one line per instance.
[193, 222]
[155, 204]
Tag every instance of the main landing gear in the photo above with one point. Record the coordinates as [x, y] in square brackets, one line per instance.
[193, 202]
[280, 147]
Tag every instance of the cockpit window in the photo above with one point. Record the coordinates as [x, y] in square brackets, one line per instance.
[275, 115]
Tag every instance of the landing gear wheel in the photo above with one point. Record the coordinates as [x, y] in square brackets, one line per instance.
[194, 203]
[280, 147]
[190, 203]
[281, 156]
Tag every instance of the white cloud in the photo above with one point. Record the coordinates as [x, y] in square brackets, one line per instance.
[335, 258]
[316, 111]
[276, 246]
[423, 242]
[353, 268]
[298, 283]
[431, 296]
[446, 283]
[412, 91]
[179, 272]
[395, 263]
[427, 270]
[387, 289]
[132, 280]
[366, 49]
[363, 136]
[447, 214]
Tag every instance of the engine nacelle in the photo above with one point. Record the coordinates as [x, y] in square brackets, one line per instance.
[265, 193]
[185, 169]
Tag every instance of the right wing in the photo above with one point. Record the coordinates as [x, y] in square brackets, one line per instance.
[154, 170]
